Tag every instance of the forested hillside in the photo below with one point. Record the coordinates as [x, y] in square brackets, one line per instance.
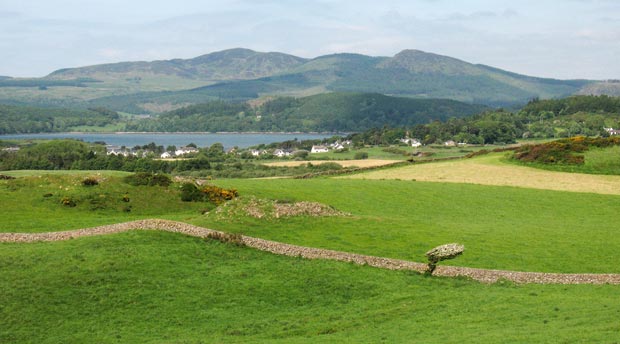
[326, 112]
[21, 119]
[578, 115]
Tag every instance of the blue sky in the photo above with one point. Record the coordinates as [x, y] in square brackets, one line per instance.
[550, 38]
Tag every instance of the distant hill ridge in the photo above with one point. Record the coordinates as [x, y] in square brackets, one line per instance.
[223, 65]
[242, 74]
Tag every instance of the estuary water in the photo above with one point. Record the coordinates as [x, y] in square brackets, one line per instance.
[228, 140]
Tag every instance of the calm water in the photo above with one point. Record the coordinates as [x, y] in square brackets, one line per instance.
[167, 139]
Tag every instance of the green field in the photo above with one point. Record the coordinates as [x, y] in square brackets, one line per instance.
[33, 204]
[156, 287]
[153, 287]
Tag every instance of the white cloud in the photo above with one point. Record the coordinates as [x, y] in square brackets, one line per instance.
[545, 38]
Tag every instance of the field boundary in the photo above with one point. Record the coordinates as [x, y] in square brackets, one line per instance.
[481, 275]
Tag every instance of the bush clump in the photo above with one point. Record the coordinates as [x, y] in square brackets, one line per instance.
[90, 181]
[360, 156]
[208, 193]
[562, 151]
[68, 201]
[148, 178]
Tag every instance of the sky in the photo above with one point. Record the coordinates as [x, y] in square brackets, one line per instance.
[562, 39]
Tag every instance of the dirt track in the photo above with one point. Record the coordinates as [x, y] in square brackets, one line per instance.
[482, 275]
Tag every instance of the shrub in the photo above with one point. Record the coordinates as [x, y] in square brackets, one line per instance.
[190, 193]
[360, 156]
[148, 178]
[218, 195]
[68, 201]
[90, 181]
[443, 252]
[209, 193]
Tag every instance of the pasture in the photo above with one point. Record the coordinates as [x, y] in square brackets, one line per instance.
[154, 287]
[492, 170]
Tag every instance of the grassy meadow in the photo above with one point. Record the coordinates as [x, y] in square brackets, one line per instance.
[497, 169]
[157, 287]
[34, 201]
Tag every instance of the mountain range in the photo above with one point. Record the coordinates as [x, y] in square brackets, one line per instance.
[243, 74]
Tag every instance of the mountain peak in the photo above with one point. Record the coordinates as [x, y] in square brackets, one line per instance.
[418, 61]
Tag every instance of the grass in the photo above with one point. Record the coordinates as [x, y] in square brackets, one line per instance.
[156, 287]
[343, 163]
[493, 169]
[394, 152]
[34, 203]
[501, 227]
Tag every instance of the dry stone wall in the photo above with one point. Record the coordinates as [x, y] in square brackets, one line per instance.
[482, 275]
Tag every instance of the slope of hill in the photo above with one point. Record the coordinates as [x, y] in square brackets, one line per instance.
[223, 65]
[21, 119]
[242, 74]
[330, 112]
[608, 87]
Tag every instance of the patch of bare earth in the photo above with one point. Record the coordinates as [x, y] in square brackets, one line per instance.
[263, 208]
[489, 170]
[343, 163]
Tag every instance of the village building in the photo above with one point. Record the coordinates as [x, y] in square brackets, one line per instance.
[319, 149]
[612, 131]
[281, 153]
[185, 150]
[413, 142]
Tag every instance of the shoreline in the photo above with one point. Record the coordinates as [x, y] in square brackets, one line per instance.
[182, 132]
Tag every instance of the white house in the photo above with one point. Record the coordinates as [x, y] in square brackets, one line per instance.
[449, 143]
[612, 131]
[413, 142]
[166, 155]
[337, 146]
[185, 150]
[319, 149]
[10, 149]
[280, 153]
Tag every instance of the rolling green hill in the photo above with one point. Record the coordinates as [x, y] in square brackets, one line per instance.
[410, 73]
[324, 112]
[223, 65]
[242, 74]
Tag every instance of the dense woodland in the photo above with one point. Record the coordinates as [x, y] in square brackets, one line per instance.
[21, 119]
[376, 119]
[331, 112]
[578, 115]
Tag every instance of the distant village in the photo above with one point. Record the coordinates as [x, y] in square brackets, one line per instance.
[186, 151]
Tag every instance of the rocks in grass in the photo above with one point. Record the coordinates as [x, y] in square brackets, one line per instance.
[443, 252]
